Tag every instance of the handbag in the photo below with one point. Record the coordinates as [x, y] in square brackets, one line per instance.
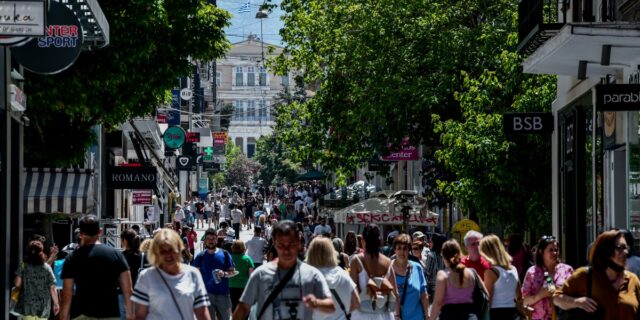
[578, 313]
[480, 299]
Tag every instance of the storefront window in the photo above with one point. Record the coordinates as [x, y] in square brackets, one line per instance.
[633, 172]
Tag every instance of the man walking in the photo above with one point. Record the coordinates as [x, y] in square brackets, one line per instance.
[255, 247]
[94, 271]
[287, 288]
[474, 259]
[236, 219]
[216, 265]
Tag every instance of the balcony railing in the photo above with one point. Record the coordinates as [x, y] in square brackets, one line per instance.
[538, 20]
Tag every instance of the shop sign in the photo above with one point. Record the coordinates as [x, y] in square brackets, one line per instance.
[211, 166]
[161, 118]
[219, 150]
[132, 178]
[203, 185]
[142, 197]
[61, 43]
[174, 137]
[184, 163]
[173, 116]
[618, 97]
[193, 137]
[529, 122]
[22, 18]
[388, 218]
[220, 138]
[18, 99]
[407, 153]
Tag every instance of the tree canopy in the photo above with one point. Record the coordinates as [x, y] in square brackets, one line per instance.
[152, 44]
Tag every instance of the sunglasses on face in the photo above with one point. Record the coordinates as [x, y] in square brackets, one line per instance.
[622, 248]
[548, 238]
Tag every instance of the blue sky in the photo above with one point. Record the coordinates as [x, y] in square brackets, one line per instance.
[243, 24]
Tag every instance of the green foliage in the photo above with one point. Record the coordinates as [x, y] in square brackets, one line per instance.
[241, 172]
[232, 152]
[219, 179]
[506, 179]
[151, 43]
[276, 167]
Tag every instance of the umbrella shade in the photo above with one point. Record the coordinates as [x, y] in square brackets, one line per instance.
[311, 175]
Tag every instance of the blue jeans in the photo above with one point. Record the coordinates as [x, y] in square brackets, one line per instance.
[123, 309]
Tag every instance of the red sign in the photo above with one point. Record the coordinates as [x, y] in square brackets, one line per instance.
[161, 118]
[193, 137]
[142, 197]
[388, 218]
[220, 138]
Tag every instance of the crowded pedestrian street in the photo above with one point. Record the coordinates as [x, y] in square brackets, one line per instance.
[320, 160]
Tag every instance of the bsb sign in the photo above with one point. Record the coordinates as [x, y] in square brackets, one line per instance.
[532, 122]
[132, 178]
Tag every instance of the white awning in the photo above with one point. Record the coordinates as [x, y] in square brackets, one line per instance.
[54, 190]
[615, 44]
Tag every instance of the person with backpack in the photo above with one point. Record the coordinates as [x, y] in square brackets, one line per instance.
[373, 273]
[216, 265]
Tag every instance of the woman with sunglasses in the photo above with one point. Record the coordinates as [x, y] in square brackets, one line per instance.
[615, 292]
[536, 291]
[412, 285]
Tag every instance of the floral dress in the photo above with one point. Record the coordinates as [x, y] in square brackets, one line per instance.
[533, 282]
[35, 294]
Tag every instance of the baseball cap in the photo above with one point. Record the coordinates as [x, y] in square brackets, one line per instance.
[417, 234]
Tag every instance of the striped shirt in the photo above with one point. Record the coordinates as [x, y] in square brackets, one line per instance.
[187, 287]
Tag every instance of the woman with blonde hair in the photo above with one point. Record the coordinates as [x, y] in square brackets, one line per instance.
[501, 279]
[453, 298]
[322, 255]
[169, 289]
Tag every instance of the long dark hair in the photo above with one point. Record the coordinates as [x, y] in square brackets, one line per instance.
[133, 240]
[371, 236]
[452, 253]
[350, 243]
[35, 253]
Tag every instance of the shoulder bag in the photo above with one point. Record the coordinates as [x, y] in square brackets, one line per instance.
[480, 298]
[335, 295]
[578, 313]
[272, 296]
[172, 295]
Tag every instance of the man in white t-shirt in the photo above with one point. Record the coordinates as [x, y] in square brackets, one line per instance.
[236, 219]
[255, 246]
[322, 228]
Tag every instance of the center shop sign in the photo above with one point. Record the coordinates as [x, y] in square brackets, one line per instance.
[132, 178]
[618, 97]
[388, 218]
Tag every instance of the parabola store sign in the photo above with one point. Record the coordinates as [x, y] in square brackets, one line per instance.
[58, 48]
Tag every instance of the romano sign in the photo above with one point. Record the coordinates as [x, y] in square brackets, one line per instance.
[618, 97]
[132, 178]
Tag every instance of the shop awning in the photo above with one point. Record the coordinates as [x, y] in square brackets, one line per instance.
[54, 190]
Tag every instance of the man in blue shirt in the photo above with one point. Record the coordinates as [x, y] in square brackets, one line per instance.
[216, 266]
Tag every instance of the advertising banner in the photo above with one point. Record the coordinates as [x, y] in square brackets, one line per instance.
[388, 218]
[141, 197]
[173, 116]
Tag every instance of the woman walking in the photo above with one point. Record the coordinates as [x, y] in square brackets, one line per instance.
[244, 265]
[321, 254]
[37, 285]
[373, 273]
[543, 278]
[412, 286]
[169, 289]
[501, 280]
[131, 245]
[615, 292]
[453, 298]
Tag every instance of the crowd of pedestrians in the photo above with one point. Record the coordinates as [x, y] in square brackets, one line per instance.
[296, 267]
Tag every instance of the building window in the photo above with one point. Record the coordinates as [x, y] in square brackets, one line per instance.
[263, 76]
[262, 110]
[285, 80]
[251, 77]
[218, 78]
[251, 150]
[251, 110]
[239, 77]
[239, 110]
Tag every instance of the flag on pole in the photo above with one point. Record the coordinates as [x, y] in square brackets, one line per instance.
[245, 8]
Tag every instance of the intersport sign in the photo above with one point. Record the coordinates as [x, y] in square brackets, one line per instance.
[618, 97]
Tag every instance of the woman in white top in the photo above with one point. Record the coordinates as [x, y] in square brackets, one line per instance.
[345, 295]
[170, 289]
[501, 279]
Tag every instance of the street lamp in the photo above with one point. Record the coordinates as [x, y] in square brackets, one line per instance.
[262, 14]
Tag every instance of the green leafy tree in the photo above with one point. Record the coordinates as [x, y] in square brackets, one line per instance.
[505, 179]
[232, 152]
[276, 167]
[242, 171]
[151, 46]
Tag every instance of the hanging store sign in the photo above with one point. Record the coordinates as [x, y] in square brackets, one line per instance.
[529, 122]
[220, 138]
[142, 197]
[174, 137]
[193, 136]
[618, 97]
[132, 178]
[22, 18]
[61, 43]
[388, 218]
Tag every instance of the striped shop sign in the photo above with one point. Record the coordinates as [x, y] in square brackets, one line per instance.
[56, 190]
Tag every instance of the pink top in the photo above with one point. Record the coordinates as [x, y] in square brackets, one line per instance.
[455, 295]
[533, 281]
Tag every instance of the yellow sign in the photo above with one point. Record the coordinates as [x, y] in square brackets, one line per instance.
[461, 228]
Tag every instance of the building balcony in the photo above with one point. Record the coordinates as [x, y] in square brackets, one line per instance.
[537, 22]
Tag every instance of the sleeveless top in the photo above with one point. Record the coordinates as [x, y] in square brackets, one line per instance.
[504, 290]
[363, 280]
[455, 295]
